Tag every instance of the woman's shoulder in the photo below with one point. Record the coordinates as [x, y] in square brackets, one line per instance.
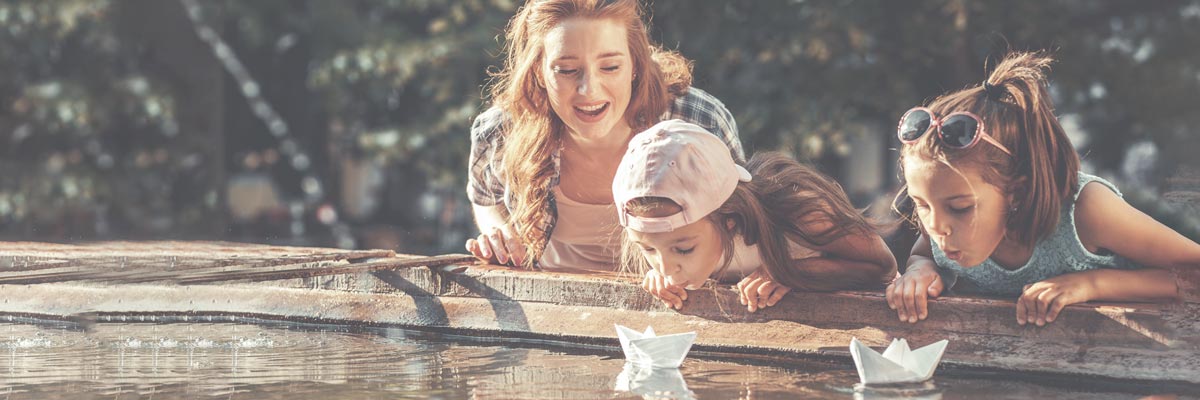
[701, 108]
[488, 126]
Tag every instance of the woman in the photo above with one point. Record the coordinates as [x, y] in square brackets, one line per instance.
[580, 78]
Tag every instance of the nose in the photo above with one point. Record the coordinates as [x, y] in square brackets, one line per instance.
[937, 225]
[584, 83]
[672, 271]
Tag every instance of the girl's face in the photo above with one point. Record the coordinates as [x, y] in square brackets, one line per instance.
[687, 256]
[963, 214]
[588, 75]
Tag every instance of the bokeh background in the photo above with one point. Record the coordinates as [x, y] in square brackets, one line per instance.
[345, 123]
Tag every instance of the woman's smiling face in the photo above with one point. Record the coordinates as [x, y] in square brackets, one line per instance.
[588, 74]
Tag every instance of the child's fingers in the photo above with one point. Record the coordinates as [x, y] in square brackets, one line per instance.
[671, 299]
[1027, 305]
[922, 309]
[936, 287]
[751, 293]
[1031, 306]
[777, 295]
[662, 290]
[764, 291]
[1056, 306]
[656, 285]
[671, 296]
[1045, 302]
[1041, 301]
[898, 297]
[910, 301]
[887, 294]
[656, 289]
[1021, 310]
[679, 292]
[741, 289]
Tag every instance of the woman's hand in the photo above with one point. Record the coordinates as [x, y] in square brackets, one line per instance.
[1041, 302]
[500, 245]
[759, 291]
[672, 296]
[909, 293]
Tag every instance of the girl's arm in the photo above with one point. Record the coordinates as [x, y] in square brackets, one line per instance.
[1106, 222]
[854, 260]
[1041, 302]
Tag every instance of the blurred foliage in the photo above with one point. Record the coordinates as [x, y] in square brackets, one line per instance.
[1128, 70]
[84, 128]
[93, 145]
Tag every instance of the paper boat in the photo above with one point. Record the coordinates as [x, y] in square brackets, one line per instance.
[897, 364]
[652, 382]
[649, 350]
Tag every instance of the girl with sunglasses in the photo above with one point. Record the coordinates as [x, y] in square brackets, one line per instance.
[1004, 210]
[693, 216]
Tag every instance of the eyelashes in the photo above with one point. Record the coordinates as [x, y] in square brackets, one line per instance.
[569, 71]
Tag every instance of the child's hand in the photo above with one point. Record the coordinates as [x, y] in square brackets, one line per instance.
[656, 284]
[501, 246]
[908, 293]
[1041, 302]
[758, 291]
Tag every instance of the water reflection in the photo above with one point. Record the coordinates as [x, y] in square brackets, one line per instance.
[652, 383]
[918, 391]
[272, 360]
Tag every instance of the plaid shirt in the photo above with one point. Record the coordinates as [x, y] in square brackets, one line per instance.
[485, 187]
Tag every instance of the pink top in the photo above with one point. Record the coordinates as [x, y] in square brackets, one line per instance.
[587, 236]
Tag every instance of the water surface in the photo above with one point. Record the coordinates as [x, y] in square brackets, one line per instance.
[254, 359]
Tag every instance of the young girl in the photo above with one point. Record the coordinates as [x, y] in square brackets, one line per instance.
[691, 215]
[1003, 206]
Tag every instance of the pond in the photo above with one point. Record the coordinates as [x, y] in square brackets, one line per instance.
[239, 358]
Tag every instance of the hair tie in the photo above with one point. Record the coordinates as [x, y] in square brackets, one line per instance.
[994, 92]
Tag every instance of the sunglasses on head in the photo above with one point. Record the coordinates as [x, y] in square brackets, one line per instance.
[958, 130]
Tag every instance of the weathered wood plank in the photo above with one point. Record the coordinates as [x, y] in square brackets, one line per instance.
[1144, 341]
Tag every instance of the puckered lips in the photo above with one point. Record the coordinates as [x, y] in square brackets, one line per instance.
[954, 255]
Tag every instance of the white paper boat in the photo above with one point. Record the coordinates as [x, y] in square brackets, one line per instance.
[648, 350]
[652, 382]
[897, 364]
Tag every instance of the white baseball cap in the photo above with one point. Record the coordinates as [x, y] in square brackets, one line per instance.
[679, 161]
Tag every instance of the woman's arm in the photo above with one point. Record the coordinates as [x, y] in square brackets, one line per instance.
[497, 242]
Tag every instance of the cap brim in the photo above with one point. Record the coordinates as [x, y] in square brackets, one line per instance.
[743, 174]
